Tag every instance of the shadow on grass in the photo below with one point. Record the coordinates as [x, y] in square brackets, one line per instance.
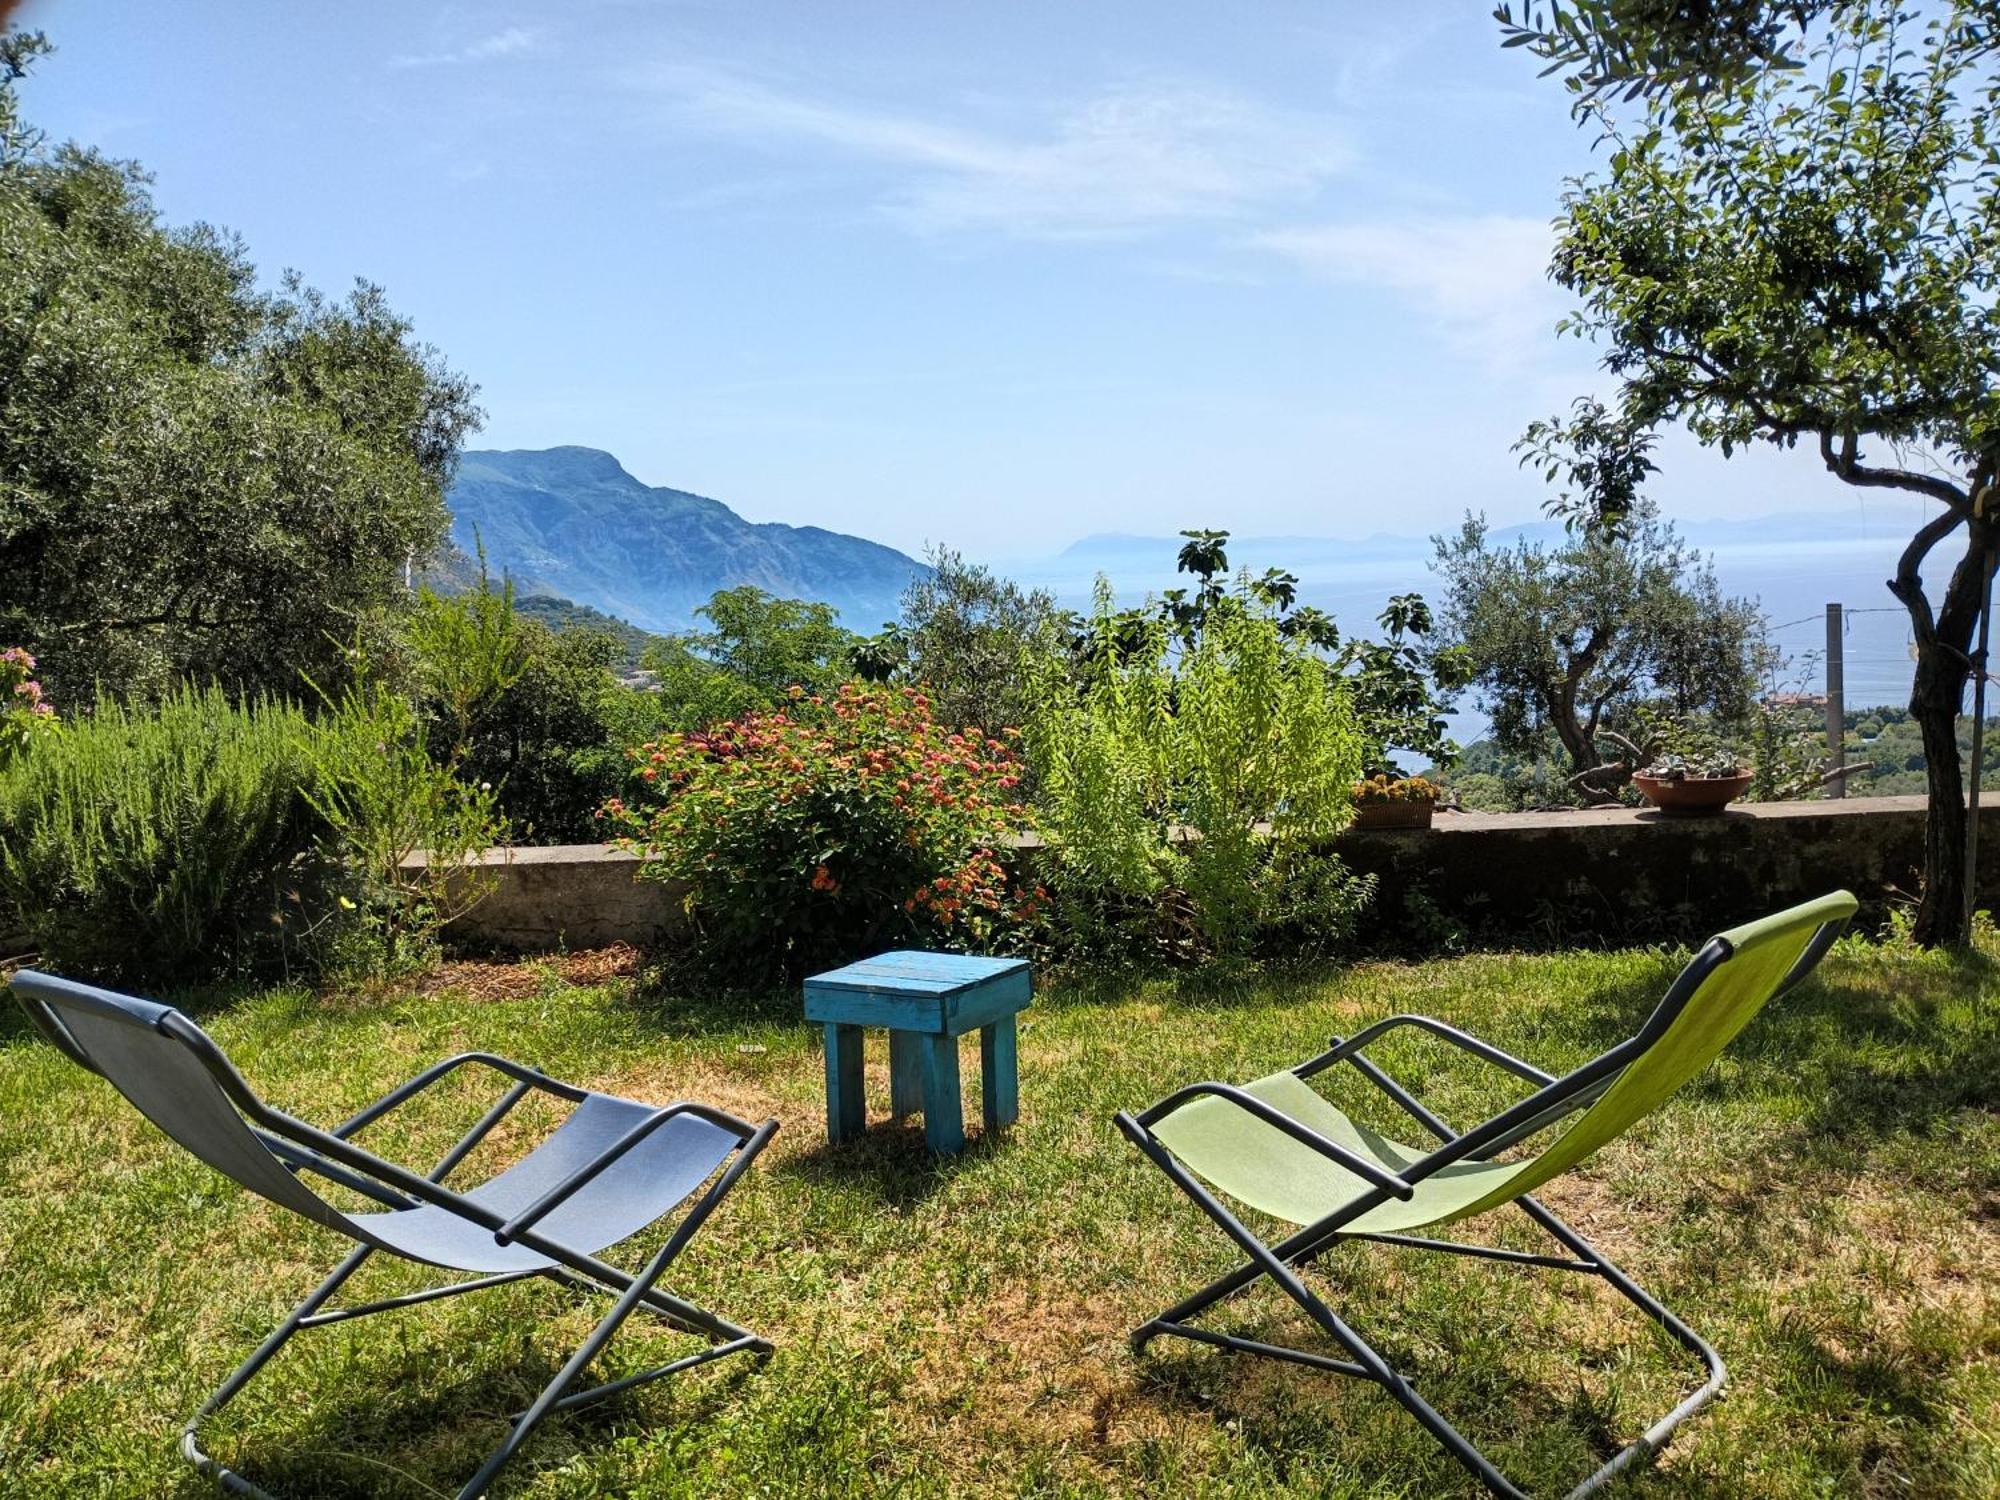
[680, 1006]
[389, 1430]
[890, 1163]
[1546, 1435]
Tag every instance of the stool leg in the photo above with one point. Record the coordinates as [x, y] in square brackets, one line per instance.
[906, 1074]
[999, 1086]
[846, 1103]
[944, 1127]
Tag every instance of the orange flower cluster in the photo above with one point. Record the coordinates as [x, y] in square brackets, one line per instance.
[835, 815]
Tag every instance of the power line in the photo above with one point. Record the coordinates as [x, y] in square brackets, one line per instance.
[1886, 609]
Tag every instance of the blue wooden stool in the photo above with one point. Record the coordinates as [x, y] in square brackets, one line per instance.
[926, 1001]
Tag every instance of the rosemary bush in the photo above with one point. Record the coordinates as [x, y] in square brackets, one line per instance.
[161, 843]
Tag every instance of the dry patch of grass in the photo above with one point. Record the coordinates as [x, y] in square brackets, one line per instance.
[516, 979]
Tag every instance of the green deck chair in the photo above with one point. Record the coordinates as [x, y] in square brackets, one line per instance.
[1277, 1146]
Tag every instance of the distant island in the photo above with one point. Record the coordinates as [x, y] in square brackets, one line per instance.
[572, 524]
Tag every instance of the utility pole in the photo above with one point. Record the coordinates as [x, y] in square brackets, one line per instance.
[1836, 706]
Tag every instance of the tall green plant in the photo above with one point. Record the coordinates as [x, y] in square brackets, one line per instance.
[385, 801]
[1199, 790]
[471, 648]
[161, 844]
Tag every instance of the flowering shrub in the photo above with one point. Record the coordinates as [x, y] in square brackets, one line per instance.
[813, 834]
[24, 711]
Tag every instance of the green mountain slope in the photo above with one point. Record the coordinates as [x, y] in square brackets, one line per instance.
[571, 522]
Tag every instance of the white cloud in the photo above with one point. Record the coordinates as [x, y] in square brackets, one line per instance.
[1482, 280]
[1126, 161]
[509, 43]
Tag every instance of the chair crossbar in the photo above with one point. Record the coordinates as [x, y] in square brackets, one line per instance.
[412, 1299]
[748, 1344]
[1482, 1252]
[1255, 1346]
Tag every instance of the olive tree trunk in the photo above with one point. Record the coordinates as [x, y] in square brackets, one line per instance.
[1944, 644]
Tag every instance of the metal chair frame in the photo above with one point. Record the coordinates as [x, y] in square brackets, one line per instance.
[334, 1156]
[1553, 1098]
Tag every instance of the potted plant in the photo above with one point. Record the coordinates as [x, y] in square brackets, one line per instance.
[1383, 802]
[1693, 784]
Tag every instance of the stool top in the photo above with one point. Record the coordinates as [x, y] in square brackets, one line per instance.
[916, 973]
[941, 993]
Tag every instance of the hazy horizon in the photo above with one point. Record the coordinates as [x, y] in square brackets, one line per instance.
[995, 279]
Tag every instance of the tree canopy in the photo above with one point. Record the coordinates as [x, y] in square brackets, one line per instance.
[968, 636]
[1810, 256]
[1571, 641]
[755, 649]
[198, 476]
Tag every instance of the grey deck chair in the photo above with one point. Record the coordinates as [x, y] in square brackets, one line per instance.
[1280, 1147]
[612, 1168]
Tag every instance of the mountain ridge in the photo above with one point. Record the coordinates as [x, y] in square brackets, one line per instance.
[571, 521]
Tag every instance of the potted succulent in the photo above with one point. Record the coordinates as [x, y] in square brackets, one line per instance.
[1693, 784]
[1385, 802]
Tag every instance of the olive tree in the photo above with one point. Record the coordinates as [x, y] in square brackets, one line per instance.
[199, 476]
[1572, 640]
[1637, 47]
[971, 638]
[1807, 258]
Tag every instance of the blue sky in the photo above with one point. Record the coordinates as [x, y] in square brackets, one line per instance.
[995, 276]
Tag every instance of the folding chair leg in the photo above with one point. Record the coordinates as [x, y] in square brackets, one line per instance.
[552, 1392]
[639, 1290]
[635, 1291]
[1368, 1364]
[231, 1481]
[1276, 1263]
[1648, 1443]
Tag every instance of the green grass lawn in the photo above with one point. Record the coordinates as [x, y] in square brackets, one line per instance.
[1824, 1206]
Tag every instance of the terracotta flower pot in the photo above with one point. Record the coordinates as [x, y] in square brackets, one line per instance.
[1414, 814]
[1692, 796]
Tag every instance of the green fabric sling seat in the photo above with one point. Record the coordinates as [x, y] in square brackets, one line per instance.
[1279, 1146]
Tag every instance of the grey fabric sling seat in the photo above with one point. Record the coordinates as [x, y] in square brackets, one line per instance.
[1278, 1146]
[611, 1169]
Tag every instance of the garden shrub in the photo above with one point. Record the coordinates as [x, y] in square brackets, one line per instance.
[1189, 799]
[812, 835]
[383, 796]
[161, 844]
[553, 743]
[537, 715]
[199, 837]
[970, 637]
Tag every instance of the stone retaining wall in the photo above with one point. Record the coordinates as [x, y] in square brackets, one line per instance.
[1631, 876]
[1614, 874]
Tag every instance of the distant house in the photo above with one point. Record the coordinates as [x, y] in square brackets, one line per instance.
[1795, 700]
